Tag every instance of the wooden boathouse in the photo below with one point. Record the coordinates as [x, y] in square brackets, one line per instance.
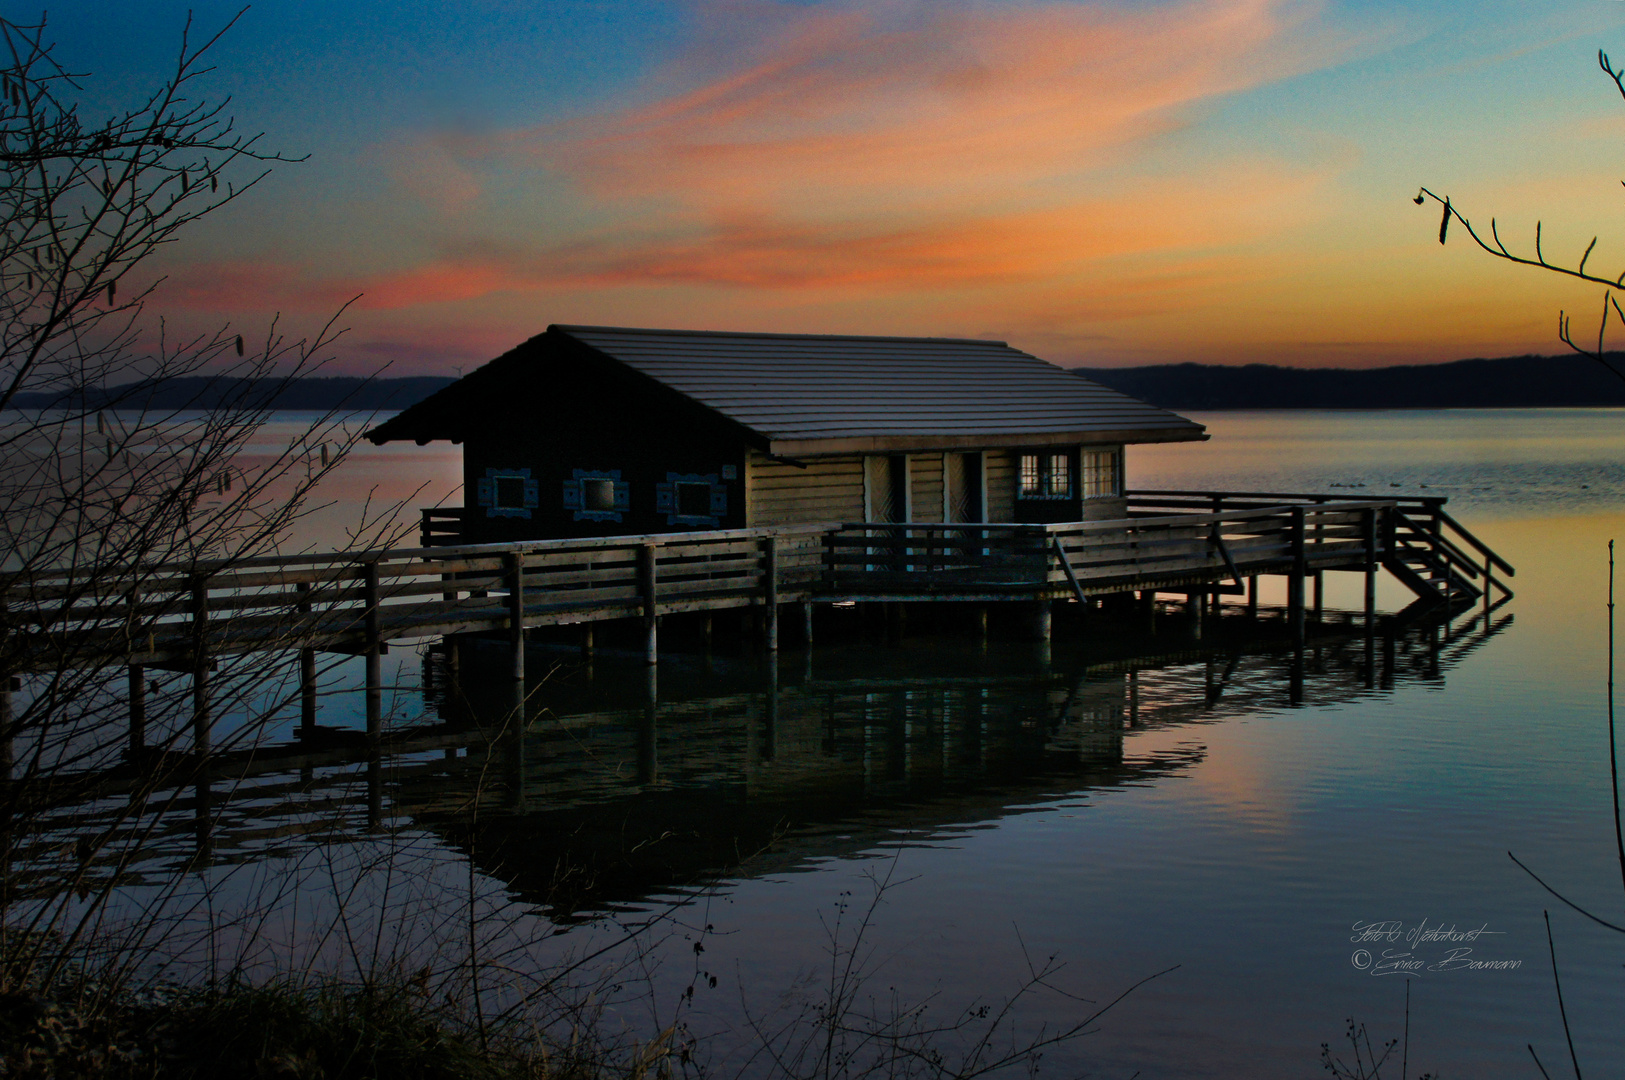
[604, 431]
[633, 474]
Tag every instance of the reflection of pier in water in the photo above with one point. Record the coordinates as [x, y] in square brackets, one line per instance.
[621, 787]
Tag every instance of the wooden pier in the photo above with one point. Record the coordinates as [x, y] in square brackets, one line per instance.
[180, 617]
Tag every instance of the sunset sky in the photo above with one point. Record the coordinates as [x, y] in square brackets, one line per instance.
[1224, 181]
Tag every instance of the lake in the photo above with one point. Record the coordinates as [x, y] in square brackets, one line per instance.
[1142, 799]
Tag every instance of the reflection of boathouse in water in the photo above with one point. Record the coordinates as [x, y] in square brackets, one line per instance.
[612, 792]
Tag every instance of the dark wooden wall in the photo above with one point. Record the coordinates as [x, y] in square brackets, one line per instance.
[572, 410]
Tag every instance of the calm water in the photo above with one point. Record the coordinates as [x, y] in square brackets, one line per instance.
[1142, 800]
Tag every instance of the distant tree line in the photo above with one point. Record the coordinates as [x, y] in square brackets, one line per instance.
[1509, 382]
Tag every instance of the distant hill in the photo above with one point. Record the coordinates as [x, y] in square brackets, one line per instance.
[1505, 383]
[338, 392]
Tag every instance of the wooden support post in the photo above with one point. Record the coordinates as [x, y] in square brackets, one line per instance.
[1488, 566]
[138, 709]
[1252, 597]
[1042, 621]
[807, 623]
[649, 731]
[1370, 529]
[1320, 596]
[200, 667]
[770, 588]
[374, 650]
[770, 742]
[307, 674]
[1295, 582]
[647, 586]
[513, 574]
[588, 644]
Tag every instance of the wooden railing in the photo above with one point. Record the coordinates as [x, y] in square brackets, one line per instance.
[172, 614]
[351, 601]
[1100, 556]
[1419, 528]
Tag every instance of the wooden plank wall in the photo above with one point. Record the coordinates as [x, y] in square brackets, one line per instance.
[926, 478]
[1105, 509]
[831, 489]
[1001, 485]
[828, 489]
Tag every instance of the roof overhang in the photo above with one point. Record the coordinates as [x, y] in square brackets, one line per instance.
[904, 444]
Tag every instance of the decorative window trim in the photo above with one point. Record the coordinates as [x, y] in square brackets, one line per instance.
[575, 497]
[666, 499]
[485, 493]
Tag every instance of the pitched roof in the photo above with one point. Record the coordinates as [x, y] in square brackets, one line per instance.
[803, 393]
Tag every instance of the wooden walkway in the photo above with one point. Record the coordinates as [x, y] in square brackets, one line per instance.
[181, 617]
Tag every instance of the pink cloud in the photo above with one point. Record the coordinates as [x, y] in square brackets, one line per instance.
[926, 107]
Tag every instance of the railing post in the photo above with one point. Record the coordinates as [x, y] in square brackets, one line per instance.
[1295, 581]
[200, 666]
[770, 588]
[1436, 531]
[374, 649]
[307, 669]
[513, 574]
[647, 585]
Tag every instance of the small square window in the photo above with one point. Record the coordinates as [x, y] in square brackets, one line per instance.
[598, 496]
[693, 500]
[510, 493]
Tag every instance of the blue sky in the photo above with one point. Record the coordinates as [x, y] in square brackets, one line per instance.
[1222, 180]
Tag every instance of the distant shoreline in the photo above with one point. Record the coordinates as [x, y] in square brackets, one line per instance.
[1506, 383]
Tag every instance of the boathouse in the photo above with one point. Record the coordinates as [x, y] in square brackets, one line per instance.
[605, 431]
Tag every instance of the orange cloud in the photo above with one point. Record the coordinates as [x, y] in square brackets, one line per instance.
[760, 251]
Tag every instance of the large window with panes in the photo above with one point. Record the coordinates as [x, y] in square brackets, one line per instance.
[1098, 474]
[1046, 476]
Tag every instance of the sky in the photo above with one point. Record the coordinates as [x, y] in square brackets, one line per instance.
[1101, 184]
